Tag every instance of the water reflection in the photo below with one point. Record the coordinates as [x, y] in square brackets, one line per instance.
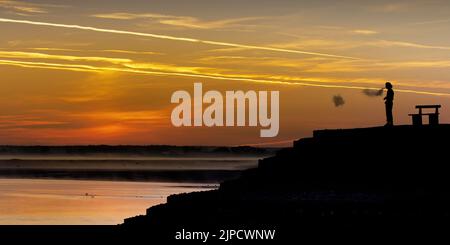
[38, 201]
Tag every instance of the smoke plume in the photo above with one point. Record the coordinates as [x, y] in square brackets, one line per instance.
[338, 100]
[373, 92]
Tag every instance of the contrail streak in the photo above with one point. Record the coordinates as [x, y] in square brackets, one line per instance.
[193, 40]
[89, 68]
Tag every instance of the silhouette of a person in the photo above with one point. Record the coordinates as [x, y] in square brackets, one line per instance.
[389, 102]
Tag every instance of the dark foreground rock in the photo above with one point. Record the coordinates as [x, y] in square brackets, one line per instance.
[338, 178]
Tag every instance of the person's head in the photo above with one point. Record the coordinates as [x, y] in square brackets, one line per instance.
[388, 85]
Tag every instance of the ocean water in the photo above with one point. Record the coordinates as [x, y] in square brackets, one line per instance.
[79, 190]
[78, 202]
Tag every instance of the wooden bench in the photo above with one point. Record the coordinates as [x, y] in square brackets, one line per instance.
[433, 118]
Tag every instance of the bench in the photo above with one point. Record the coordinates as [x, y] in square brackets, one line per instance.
[433, 117]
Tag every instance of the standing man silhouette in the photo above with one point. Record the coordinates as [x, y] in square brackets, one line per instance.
[389, 102]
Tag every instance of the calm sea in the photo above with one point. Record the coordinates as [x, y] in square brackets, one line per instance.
[50, 200]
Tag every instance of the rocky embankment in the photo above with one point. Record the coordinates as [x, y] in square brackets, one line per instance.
[336, 174]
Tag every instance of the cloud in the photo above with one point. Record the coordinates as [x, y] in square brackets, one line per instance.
[32, 55]
[174, 68]
[269, 80]
[388, 43]
[392, 7]
[53, 125]
[129, 51]
[98, 50]
[195, 23]
[431, 22]
[212, 68]
[312, 64]
[179, 21]
[416, 64]
[350, 44]
[24, 121]
[21, 7]
[132, 16]
[174, 38]
[364, 32]
[318, 43]
[26, 8]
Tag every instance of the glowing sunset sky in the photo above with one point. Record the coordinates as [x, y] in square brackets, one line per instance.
[102, 72]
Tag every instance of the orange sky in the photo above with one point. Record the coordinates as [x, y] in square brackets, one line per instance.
[83, 72]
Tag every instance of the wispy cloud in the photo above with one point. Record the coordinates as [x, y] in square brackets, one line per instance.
[364, 32]
[196, 23]
[215, 66]
[318, 44]
[21, 7]
[32, 55]
[330, 44]
[430, 22]
[179, 21]
[26, 8]
[129, 51]
[243, 78]
[390, 43]
[120, 51]
[28, 121]
[53, 125]
[132, 16]
[416, 64]
[392, 7]
[174, 38]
